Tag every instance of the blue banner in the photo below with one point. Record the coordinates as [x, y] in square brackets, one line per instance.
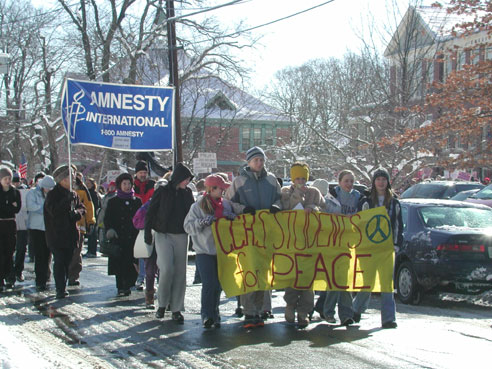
[119, 117]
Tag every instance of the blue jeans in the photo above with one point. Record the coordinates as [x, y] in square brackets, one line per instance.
[211, 289]
[344, 300]
[141, 271]
[388, 307]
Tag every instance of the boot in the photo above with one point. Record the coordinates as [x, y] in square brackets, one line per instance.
[149, 299]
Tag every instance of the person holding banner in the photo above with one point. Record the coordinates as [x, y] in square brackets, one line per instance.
[166, 214]
[299, 196]
[343, 199]
[197, 224]
[255, 189]
[381, 194]
[118, 221]
[62, 210]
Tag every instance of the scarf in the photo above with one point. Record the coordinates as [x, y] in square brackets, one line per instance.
[218, 207]
[125, 195]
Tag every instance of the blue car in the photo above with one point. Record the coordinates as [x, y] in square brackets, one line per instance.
[447, 246]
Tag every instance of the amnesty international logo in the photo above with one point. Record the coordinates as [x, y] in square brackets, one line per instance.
[378, 228]
[74, 112]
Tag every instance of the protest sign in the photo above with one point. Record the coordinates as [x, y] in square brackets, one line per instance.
[120, 117]
[303, 250]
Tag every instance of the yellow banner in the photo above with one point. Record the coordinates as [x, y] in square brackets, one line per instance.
[317, 251]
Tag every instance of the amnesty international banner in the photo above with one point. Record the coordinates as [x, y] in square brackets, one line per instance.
[116, 116]
[317, 251]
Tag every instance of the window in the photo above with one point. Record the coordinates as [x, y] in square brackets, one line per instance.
[257, 136]
[270, 136]
[245, 138]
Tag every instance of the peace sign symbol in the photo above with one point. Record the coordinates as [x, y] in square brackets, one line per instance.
[378, 228]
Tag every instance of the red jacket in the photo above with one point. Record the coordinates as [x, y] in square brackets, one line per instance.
[144, 190]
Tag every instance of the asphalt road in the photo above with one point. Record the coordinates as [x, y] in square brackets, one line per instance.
[94, 329]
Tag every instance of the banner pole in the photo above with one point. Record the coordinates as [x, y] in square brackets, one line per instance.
[69, 123]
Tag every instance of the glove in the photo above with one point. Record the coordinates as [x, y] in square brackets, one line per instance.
[205, 222]
[111, 233]
[230, 216]
[249, 210]
[274, 209]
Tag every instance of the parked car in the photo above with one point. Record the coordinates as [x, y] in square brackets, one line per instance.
[484, 196]
[463, 195]
[438, 189]
[447, 246]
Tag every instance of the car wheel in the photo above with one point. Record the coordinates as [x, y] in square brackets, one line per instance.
[408, 290]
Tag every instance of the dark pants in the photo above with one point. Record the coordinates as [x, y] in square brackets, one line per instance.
[92, 241]
[320, 304]
[211, 289]
[62, 259]
[75, 266]
[20, 253]
[7, 247]
[42, 255]
[150, 271]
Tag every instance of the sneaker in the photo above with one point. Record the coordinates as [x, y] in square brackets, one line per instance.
[74, 283]
[178, 317]
[41, 287]
[302, 321]
[249, 321]
[9, 285]
[217, 325]
[208, 323]
[239, 312]
[127, 292]
[389, 325]
[89, 255]
[258, 321]
[19, 278]
[356, 317]
[330, 319]
[120, 293]
[290, 313]
[139, 285]
[159, 314]
[347, 322]
[267, 315]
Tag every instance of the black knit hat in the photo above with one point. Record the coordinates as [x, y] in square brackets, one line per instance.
[141, 165]
[121, 178]
[381, 172]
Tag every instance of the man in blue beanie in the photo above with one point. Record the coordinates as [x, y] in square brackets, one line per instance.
[255, 189]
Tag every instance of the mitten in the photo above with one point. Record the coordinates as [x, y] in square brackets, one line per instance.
[205, 222]
[249, 210]
[274, 209]
[111, 233]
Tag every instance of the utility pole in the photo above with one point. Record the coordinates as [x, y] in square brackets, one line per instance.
[174, 79]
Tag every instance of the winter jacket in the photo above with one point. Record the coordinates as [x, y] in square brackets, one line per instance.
[21, 216]
[257, 190]
[394, 212]
[339, 201]
[60, 218]
[143, 190]
[119, 215]
[96, 199]
[34, 206]
[202, 237]
[88, 219]
[7, 201]
[311, 198]
[169, 205]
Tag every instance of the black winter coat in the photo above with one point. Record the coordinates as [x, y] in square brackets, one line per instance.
[7, 199]
[169, 206]
[119, 215]
[60, 218]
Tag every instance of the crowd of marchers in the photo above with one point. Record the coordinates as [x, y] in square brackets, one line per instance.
[51, 220]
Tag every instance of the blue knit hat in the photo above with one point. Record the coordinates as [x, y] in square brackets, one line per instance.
[254, 152]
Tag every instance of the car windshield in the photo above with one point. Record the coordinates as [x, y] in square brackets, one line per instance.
[484, 194]
[455, 217]
[430, 190]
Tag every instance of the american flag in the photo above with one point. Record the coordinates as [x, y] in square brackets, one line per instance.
[23, 167]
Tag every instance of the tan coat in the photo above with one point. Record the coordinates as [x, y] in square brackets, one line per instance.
[88, 218]
[310, 198]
